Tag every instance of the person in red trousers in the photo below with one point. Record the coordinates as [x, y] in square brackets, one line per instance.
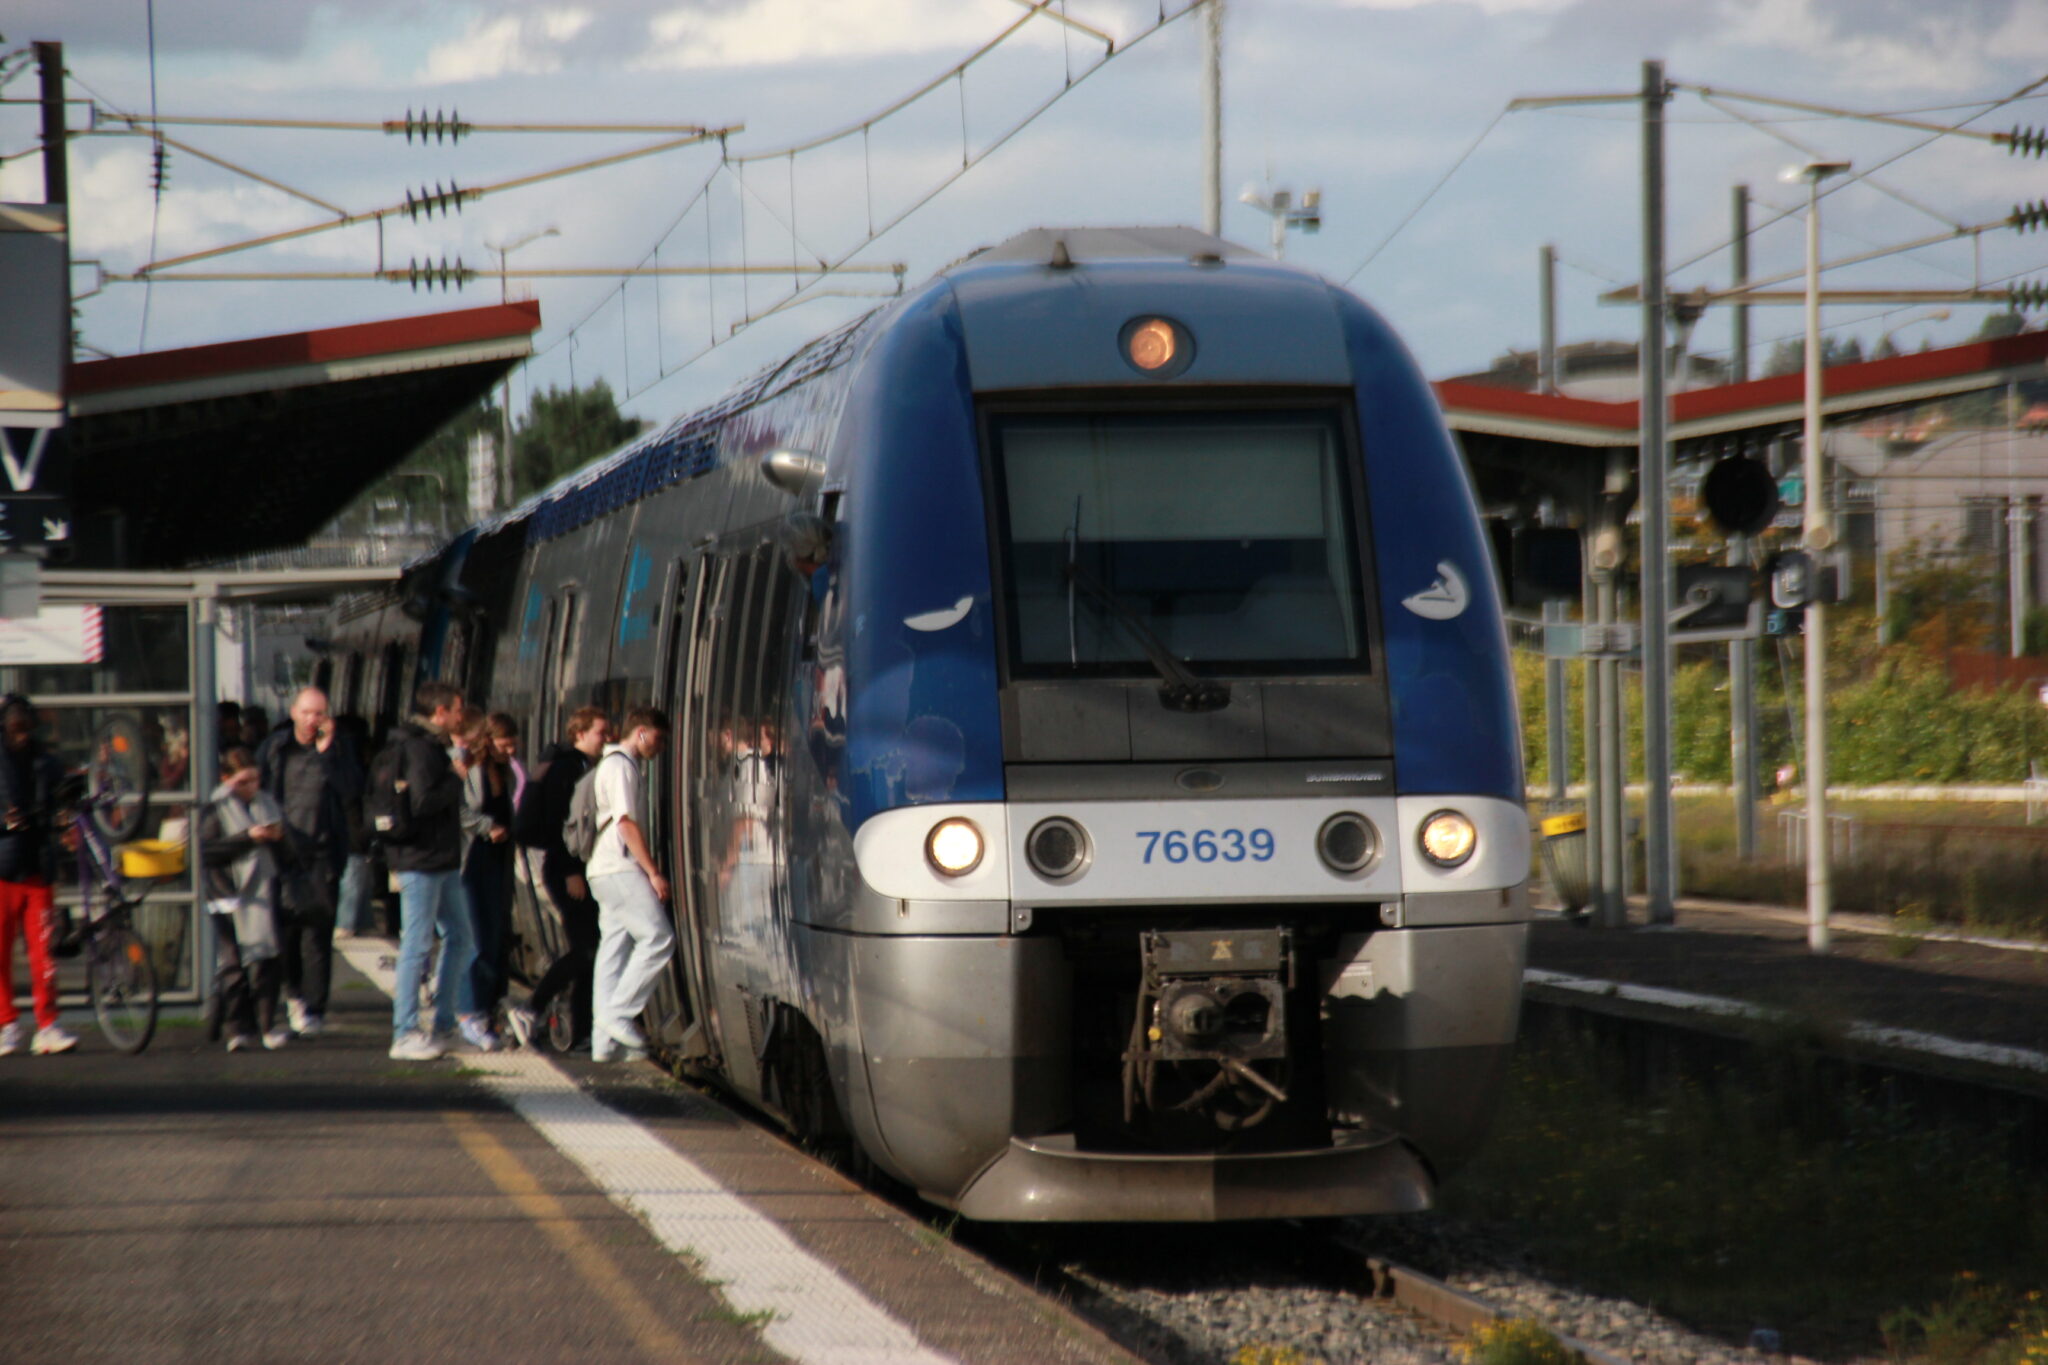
[29, 777]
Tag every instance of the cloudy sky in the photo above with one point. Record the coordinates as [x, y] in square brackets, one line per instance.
[1372, 101]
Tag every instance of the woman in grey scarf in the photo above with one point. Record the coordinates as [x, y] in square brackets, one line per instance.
[241, 837]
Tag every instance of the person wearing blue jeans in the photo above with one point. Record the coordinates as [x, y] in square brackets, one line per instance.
[415, 805]
[427, 901]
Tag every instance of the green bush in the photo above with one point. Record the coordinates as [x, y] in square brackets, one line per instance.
[1892, 718]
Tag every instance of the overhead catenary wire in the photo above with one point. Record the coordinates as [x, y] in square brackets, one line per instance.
[1423, 203]
[1855, 175]
[732, 166]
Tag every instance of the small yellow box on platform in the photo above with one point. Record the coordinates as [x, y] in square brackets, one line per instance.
[152, 858]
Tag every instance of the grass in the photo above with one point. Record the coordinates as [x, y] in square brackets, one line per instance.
[1515, 1341]
[1752, 1198]
[760, 1317]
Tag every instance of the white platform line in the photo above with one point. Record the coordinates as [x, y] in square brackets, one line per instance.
[819, 1318]
[1878, 1035]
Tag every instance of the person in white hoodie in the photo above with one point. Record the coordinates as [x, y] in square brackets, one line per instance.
[242, 839]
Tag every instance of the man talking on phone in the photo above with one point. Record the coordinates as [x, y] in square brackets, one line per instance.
[311, 772]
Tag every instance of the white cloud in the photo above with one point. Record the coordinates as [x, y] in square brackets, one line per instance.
[1490, 7]
[770, 32]
[516, 44]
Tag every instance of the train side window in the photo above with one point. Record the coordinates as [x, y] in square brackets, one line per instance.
[546, 709]
[570, 647]
[350, 698]
[391, 680]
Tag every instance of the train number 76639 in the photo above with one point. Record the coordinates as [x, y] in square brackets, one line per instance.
[1207, 845]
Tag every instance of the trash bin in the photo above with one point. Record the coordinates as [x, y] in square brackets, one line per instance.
[1566, 860]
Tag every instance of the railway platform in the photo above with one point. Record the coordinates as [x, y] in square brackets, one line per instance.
[325, 1203]
[1950, 1002]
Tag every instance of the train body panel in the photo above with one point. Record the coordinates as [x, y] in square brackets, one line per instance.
[1095, 788]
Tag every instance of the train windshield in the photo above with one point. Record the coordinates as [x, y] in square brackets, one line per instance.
[1226, 539]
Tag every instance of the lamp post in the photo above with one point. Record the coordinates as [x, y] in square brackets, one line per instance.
[505, 411]
[1932, 315]
[1819, 535]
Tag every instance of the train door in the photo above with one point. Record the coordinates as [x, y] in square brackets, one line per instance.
[703, 725]
[679, 1002]
[736, 744]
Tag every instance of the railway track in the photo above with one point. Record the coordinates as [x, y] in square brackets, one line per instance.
[1291, 1291]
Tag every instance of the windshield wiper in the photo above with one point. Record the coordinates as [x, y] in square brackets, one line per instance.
[1181, 689]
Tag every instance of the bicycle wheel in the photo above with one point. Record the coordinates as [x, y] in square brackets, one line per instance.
[122, 980]
[561, 1022]
[117, 778]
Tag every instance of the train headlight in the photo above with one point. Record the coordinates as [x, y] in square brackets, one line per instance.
[1448, 838]
[1156, 347]
[954, 846]
[1153, 344]
[1057, 849]
[1348, 843]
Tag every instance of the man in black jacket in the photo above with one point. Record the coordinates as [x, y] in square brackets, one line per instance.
[542, 812]
[428, 864]
[307, 768]
[29, 776]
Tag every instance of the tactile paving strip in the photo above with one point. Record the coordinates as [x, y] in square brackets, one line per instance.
[819, 1318]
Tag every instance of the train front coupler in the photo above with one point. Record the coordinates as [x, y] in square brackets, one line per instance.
[1209, 1034]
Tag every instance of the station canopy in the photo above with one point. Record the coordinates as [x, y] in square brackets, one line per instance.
[199, 455]
[1524, 445]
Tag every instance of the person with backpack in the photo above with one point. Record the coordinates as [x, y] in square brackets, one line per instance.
[543, 810]
[635, 939]
[29, 778]
[414, 804]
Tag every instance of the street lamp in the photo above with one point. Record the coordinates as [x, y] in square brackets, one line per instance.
[1819, 539]
[505, 412]
[1932, 315]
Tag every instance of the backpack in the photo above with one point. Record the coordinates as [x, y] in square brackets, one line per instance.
[387, 805]
[580, 830]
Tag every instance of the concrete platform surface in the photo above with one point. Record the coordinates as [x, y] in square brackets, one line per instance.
[324, 1203]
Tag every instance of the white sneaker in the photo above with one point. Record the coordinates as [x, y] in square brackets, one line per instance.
[519, 1022]
[12, 1037]
[295, 1011]
[277, 1038]
[628, 1034]
[52, 1040]
[415, 1047]
[312, 1026]
[241, 1042]
[477, 1033]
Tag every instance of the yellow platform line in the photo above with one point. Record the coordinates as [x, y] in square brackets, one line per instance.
[598, 1270]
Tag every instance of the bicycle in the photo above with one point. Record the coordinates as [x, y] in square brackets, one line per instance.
[106, 816]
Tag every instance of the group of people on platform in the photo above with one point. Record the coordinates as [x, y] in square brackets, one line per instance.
[285, 843]
[448, 802]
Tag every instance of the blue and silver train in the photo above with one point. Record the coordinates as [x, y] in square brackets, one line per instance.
[1096, 790]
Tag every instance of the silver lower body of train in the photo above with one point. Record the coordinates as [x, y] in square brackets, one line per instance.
[1055, 1069]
